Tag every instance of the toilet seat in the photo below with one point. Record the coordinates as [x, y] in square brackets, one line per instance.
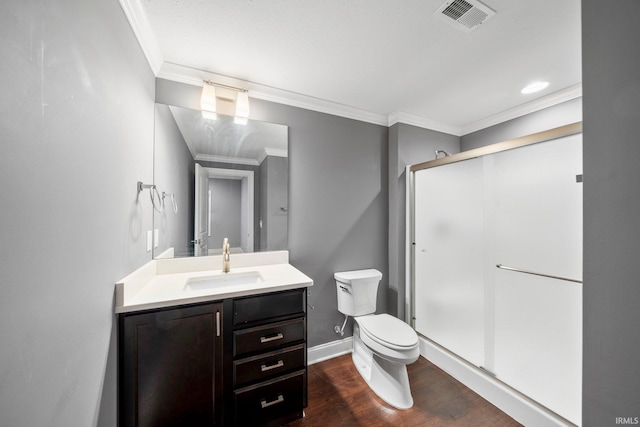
[388, 331]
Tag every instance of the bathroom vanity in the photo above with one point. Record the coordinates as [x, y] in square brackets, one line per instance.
[199, 347]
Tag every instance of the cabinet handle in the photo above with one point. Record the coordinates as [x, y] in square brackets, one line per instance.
[277, 336]
[217, 323]
[265, 404]
[265, 368]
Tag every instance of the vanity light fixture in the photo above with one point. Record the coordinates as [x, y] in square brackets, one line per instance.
[242, 108]
[534, 87]
[208, 101]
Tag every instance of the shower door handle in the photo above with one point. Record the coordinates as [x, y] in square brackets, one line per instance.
[519, 270]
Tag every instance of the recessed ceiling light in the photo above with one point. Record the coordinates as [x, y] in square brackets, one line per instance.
[534, 87]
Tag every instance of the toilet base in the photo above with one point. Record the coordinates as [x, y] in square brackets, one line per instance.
[389, 380]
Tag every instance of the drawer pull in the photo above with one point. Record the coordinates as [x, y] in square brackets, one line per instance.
[265, 368]
[265, 404]
[277, 336]
[217, 323]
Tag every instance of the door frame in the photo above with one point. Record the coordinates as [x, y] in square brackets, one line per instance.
[247, 203]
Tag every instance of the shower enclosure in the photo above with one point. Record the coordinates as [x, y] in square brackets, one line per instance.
[497, 262]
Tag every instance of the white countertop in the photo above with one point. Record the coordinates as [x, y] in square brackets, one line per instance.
[162, 282]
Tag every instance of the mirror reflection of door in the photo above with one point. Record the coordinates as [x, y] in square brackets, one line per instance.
[183, 137]
[227, 205]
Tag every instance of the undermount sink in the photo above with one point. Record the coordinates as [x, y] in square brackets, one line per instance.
[223, 279]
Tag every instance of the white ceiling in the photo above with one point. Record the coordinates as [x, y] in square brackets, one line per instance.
[381, 61]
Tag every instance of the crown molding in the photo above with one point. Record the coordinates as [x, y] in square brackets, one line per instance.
[320, 105]
[276, 152]
[224, 159]
[422, 122]
[143, 32]
[541, 103]
[193, 76]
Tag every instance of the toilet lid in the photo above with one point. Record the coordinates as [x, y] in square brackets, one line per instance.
[350, 276]
[388, 330]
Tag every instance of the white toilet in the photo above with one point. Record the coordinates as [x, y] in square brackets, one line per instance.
[383, 345]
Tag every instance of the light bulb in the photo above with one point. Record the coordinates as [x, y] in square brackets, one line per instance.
[208, 98]
[534, 87]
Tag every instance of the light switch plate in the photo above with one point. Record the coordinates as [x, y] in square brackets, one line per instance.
[149, 240]
[156, 237]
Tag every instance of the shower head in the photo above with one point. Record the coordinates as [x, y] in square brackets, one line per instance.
[441, 152]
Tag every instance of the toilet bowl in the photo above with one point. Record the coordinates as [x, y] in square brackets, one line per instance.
[383, 345]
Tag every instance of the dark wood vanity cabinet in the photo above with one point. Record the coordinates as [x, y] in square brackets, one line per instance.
[239, 362]
[171, 365]
[269, 380]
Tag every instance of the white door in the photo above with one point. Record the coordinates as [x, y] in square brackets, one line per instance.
[200, 215]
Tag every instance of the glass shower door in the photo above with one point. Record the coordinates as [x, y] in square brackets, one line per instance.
[518, 209]
[449, 228]
[537, 210]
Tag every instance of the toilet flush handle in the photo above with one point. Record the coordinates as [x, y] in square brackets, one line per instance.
[338, 329]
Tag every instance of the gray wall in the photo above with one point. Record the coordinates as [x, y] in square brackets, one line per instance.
[611, 87]
[76, 134]
[337, 204]
[408, 145]
[173, 172]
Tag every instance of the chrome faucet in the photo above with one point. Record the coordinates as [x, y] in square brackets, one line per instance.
[226, 258]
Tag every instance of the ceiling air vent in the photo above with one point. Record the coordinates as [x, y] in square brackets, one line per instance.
[465, 14]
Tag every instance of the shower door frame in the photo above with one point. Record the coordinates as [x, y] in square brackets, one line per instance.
[535, 138]
[484, 382]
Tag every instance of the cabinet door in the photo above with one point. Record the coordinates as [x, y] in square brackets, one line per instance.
[171, 367]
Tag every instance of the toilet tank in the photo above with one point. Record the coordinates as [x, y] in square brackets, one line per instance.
[357, 291]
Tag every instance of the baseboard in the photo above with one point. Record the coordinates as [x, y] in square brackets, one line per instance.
[508, 400]
[322, 352]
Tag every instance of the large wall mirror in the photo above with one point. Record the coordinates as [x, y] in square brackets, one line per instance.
[217, 179]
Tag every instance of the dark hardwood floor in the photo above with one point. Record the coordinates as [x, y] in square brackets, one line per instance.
[338, 396]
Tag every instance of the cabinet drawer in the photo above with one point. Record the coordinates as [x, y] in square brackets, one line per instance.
[270, 400]
[268, 337]
[268, 306]
[258, 368]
